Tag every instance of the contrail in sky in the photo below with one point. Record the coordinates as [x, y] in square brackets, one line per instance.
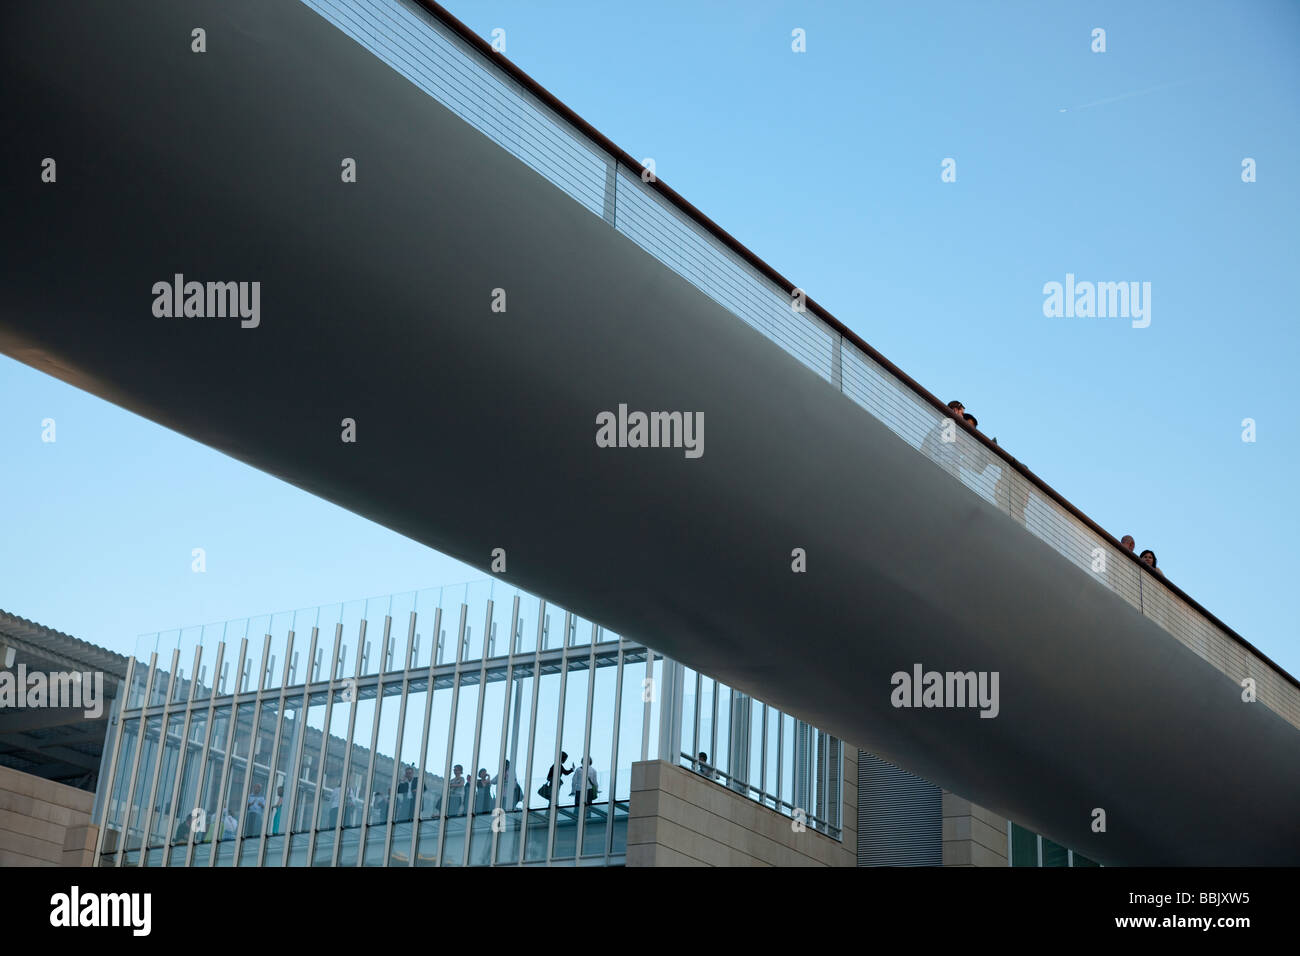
[1123, 96]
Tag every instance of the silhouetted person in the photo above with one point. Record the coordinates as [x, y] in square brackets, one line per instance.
[702, 766]
[483, 792]
[256, 807]
[405, 796]
[456, 802]
[555, 777]
[584, 787]
[194, 820]
[508, 788]
[1148, 557]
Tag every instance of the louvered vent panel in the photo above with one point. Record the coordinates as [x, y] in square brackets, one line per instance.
[900, 816]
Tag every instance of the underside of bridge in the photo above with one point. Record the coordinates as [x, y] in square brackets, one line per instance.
[476, 429]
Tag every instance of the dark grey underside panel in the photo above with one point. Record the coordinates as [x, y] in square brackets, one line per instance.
[476, 429]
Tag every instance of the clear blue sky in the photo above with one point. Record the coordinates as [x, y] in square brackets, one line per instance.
[1115, 166]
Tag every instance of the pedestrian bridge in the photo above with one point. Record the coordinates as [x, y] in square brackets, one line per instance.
[496, 278]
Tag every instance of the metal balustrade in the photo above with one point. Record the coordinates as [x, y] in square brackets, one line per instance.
[339, 739]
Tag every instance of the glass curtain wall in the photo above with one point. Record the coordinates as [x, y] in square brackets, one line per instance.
[470, 725]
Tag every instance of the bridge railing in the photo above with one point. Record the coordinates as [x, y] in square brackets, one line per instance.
[440, 55]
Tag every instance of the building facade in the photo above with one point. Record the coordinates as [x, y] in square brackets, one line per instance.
[422, 730]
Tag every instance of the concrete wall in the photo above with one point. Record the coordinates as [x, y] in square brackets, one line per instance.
[678, 818]
[972, 835]
[43, 823]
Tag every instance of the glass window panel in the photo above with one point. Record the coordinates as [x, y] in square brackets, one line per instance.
[138, 796]
[631, 722]
[618, 841]
[511, 783]
[572, 796]
[1054, 854]
[771, 783]
[201, 851]
[552, 627]
[402, 606]
[209, 799]
[257, 642]
[372, 646]
[1024, 846]
[787, 761]
[426, 640]
[258, 797]
[231, 811]
[296, 649]
[483, 798]
[250, 674]
[476, 598]
[184, 817]
[603, 723]
[357, 787]
[812, 803]
[350, 617]
[723, 709]
[209, 638]
[383, 779]
[308, 771]
[408, 778]
[162, 678]
[687, 744]
[460, 786]
[708, 689]
[656, 677]
[579, 632]
[324, 620]
[603, 718]
[188, 639]
[439, 764]
[135, 693]
[548, 701]
[450, 601]
[226, 679]
[526, 630]
[338, 803]
[278, 629]
[805, 758]
[498, 634]
[160, 826]
[282, 788]
[452, 638]
[436, 770]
